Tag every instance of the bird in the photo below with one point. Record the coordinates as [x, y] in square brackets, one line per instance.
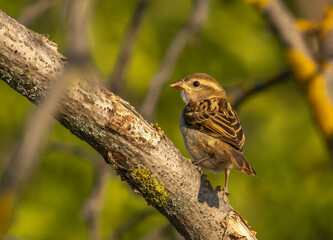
[210, 127]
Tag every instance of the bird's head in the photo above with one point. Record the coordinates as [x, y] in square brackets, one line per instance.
[198, 87]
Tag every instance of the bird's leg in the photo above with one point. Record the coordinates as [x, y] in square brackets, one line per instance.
[227, 173]
[198, 161]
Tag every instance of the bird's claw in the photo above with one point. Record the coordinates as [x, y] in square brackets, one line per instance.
[225, 191]
[199, 169]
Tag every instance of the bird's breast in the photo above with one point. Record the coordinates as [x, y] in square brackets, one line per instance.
[202, 146]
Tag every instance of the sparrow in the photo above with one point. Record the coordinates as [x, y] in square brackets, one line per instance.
[211, 129]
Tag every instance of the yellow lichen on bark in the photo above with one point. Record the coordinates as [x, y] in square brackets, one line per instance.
[303, 67]
[321, 105]
[258, 3]
[327, 22]
[153, 190]
[313, 84]
[307, 26]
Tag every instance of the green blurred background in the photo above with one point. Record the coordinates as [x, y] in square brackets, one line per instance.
[292, 197]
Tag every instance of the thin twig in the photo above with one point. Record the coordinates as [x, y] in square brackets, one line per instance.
[79, 51]
[34, 10]
[249, 90]
[163, 233]
[130, 223]
[73, 149]
[326, 53]
[126, 49]
[93, 205]
[26, 156]
[311, 9]
[78, 39]
[284, 24]
[326, 49]
[195, 22]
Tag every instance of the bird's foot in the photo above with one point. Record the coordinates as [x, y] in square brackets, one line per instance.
[196, 164]
[199, 169]
[225, 191]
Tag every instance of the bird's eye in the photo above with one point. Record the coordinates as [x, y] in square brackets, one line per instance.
[196, 83]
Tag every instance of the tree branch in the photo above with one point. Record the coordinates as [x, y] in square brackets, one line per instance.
[144, 157]
[34, 10]
[26, 156]
[309, 75]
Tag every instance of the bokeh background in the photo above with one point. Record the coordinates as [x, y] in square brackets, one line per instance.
[292, 197]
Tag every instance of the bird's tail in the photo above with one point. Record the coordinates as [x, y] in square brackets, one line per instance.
[239, 163]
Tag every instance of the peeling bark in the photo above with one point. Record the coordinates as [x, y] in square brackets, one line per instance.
[142, 155]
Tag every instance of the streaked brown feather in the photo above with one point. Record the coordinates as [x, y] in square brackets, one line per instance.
[239, 163]
[216, 118]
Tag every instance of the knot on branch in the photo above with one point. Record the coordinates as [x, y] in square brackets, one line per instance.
[236, 227]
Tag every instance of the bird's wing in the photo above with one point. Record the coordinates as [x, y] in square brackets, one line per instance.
[216, 118]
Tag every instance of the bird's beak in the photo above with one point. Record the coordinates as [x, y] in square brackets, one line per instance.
[180, 85]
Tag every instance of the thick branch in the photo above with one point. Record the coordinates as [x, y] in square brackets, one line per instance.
[143, 156]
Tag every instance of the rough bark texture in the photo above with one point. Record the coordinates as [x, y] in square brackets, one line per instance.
[143, 156]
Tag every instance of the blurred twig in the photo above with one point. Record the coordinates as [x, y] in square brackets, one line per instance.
[34, 10]
[93, 205]
[26, 156]
[75, 150]
[326, 53]
[239, 96]
[323, 37]
[165, 232]
[311, 9]
[130, 223]
[194, 23]
[79, 50]
[79, 12]
[309, 74]
[126, 49]
[284, 24]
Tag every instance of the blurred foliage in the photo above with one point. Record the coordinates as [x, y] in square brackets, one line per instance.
[292, 198]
